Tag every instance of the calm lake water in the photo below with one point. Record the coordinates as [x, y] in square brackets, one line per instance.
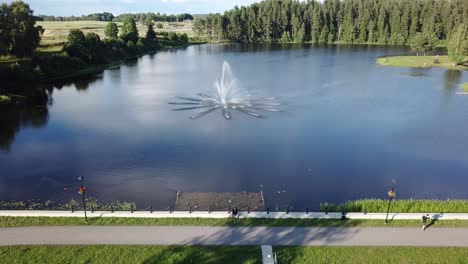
[348, 128]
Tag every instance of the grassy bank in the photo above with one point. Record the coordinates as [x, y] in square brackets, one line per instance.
[359, 255]
[400, 206]
[130, 254]
[79, 221]
[420, 62]
[464, 86]
[229, 254]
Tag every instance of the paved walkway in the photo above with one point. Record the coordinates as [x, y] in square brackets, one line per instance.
[205, 214]
[127, 235]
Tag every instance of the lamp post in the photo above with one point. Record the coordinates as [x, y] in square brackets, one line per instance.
[82, 191]
[391, 196]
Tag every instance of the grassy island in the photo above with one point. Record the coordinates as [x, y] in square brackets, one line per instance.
[464, 86]
[421, 62]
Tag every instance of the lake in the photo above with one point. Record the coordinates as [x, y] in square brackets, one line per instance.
[348, 127]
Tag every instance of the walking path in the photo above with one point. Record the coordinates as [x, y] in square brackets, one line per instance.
[191, 235]
[205, 214]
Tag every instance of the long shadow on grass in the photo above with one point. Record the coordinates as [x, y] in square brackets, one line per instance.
[207, 254]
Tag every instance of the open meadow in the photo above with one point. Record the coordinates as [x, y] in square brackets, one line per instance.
[56, 31]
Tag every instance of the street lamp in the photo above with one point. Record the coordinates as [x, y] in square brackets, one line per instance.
[391, 196]
[82, 191]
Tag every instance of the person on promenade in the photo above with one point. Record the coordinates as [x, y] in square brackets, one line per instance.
[424, 221]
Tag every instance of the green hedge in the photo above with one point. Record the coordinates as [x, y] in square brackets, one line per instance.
[401, 206]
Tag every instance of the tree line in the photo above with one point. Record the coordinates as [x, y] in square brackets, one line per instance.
[394, 22]
[91, 17]
[118, 43]
[144, 18]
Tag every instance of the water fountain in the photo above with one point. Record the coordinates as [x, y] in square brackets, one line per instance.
[227, 95]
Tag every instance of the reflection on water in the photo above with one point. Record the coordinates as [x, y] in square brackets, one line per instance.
[15, 117]
[452, 79]
[350, 127]
[33, 111]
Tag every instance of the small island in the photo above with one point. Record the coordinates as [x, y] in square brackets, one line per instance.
[457, 48]
[464, 86]
[422, 62]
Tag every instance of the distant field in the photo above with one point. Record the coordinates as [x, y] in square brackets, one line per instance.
[56, 32]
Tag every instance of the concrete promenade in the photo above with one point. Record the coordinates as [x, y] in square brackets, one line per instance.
[199, 235]
[201, 214]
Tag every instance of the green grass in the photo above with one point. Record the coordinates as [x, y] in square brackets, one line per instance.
[130, 254]
[378, 255]
[5, 99]
[79, 221]
[464, 86]
[229, 254]
[420, 62]
[401, 206]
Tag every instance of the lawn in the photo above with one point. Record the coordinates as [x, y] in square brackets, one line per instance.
[229, 254]
[420, 62]
[56, 31]
[130, 254]
[77, 221]
[358, 255]
[401, 206]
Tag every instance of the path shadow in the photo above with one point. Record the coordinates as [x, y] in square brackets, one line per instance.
[206, 254]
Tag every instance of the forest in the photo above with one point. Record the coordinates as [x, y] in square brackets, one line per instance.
[393, 22]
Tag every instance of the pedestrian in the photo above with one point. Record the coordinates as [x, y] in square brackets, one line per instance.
[235, 212]
[424, 221]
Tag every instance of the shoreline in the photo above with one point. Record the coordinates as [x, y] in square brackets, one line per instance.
[96, 69]
[424, 61]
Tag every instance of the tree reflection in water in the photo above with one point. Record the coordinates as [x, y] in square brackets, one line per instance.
[30, 107]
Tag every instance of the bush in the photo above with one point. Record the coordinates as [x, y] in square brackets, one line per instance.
[173, 36]
[59, 65]
[184, 38]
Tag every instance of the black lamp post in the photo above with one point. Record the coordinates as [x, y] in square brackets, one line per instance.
[391, 196]
[82, 191]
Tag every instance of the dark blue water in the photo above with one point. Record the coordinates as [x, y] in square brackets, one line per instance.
[349, 128]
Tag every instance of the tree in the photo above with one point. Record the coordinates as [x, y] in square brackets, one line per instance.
[184, 38]
[458, 45]
[111, 31]
[76, 43]
[150, 33]
[129, 30]
[173, 36]
[18, 34]
[5, 31]
[422, 43]
[92, 47]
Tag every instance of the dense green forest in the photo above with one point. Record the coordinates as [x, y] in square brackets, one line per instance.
[393, 22]
[143, 18]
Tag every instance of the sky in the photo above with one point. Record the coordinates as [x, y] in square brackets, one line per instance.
[81, 7]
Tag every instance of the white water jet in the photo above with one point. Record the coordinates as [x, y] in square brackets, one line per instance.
[227, 95]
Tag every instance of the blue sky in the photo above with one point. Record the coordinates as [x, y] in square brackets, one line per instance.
[80, 7]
